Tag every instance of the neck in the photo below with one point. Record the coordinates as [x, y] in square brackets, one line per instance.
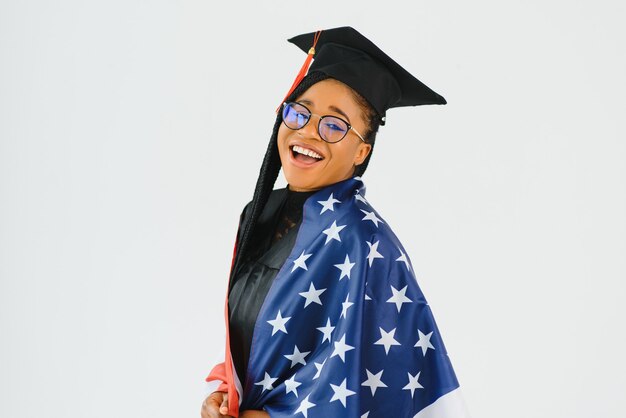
[299, 190]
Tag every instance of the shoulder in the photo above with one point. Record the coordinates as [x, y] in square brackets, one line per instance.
[373, 230]
[274, 195]
[344, 205]
[368, 221]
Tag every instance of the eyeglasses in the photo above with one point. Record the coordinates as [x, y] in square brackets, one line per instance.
[331, 128]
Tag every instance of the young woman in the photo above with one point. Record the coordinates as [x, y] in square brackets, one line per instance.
[324, 315]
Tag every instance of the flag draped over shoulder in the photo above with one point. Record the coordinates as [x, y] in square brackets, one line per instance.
[345, 330]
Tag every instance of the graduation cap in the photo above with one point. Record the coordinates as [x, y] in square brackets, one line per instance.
[348, 56]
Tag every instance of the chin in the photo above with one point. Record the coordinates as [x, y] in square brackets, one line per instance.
[300, 183]
[301, 179]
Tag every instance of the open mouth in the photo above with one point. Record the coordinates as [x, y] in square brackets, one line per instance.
[304, 155]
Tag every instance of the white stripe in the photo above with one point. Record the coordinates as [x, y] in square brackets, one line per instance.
[450, 405]
[237, 381]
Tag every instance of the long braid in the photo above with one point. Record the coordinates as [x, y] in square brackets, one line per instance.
[270, 168]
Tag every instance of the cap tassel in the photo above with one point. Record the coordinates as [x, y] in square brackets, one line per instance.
[303, 70]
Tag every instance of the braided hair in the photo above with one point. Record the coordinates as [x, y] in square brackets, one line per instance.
[272, 164]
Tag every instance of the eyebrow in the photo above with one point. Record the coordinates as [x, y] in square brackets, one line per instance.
[331, 107]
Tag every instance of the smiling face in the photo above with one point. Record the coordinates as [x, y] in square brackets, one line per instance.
[337, 162]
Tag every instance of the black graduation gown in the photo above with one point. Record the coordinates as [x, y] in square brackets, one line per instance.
[271, 244]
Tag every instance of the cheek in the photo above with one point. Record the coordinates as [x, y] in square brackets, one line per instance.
[343, 154]
[281, 138]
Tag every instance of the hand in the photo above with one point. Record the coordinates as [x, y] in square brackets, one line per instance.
[215, 406]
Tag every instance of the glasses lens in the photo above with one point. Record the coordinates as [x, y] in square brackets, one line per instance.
[295, 115]
[333, 129]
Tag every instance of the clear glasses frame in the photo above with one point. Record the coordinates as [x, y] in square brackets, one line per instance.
[349, 127]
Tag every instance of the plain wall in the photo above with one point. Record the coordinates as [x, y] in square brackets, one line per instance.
[124, 165]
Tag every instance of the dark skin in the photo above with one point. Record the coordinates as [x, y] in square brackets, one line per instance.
[323, 98]
[216, 406]
[328, 97]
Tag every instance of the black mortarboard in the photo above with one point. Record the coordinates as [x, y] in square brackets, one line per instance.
[346, 55]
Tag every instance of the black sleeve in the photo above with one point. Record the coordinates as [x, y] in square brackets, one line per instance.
[241, 219]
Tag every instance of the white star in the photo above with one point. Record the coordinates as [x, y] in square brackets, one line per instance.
[292, 386]
[371, 216]
[333, 232]
[345, 305]
[398, 297]
[267, 382]
[413, 383]
[340, 348]
[300, 261]
[345, 268]
[373, 252]
[279, 323]
[403, 259]
[367, 297]
[365, 415]
[312, 295]
[305, 405]
[373, 381]
[424, 342]
[319, 368]
[297, 357]
[341, 393]
[387, 339]
[359, 196]
[328, 204]
[326, 330]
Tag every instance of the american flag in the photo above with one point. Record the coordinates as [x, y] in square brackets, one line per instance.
[345, 330]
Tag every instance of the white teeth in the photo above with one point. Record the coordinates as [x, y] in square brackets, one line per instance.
[308, 152]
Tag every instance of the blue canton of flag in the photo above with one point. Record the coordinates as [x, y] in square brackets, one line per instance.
[345, 330]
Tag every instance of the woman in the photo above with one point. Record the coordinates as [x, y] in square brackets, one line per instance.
[324, 316]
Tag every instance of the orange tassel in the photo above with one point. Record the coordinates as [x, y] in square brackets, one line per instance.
[303, 70]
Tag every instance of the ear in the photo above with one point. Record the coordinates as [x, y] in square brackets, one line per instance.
[361, 153]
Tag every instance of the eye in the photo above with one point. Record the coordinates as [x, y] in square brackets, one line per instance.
[301, 114]
[295, 116]
[301, 117]
[335, 125]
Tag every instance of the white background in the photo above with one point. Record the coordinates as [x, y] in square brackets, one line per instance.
[123, 171]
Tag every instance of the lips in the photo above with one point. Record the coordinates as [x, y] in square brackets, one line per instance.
[298, 151]
[300, 159]
[307, 147]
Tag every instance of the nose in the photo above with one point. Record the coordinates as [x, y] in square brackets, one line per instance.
[310, 130]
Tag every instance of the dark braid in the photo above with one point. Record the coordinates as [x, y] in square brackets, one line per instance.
[271, 162]
[271, 167]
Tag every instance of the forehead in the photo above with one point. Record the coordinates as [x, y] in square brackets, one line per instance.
[328, 94]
